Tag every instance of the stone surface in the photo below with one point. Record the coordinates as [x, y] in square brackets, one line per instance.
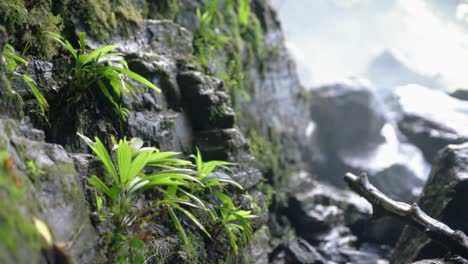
[433, 123]
[461, 94]
[59, 198]
[316, 207]
[442, 261]
[443, 198]
[354, 135]
[297, 251]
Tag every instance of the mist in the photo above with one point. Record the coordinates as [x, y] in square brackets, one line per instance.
[335, 39]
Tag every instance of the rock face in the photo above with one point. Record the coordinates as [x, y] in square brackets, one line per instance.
[390, 69]
[47, 177]
[330, 220]
[431, 119]
[355, 135]
[315, 207]
[443, 198]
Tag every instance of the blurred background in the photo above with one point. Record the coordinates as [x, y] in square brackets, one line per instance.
[390, 42]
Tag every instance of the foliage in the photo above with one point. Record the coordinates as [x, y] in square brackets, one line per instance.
[226, 30]
[26, 22]
[13, 63]
[225, 215]
[100, 70]
[197, 195]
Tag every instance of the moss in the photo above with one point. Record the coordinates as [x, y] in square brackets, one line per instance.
[26, 23]
[163, 9]
[194, 252]
[19, 240]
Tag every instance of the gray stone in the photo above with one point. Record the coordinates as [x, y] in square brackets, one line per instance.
[431, 119]
[56, 187]
[354, 135]
[316, 207]
[297, 251]
[347, 115]
[443, 198]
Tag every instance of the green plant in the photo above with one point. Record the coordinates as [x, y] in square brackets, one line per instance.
[128, 177]
[100, 70]
[224, 214]
[198, 195]
[13, 63]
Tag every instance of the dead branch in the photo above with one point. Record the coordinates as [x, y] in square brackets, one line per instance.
[455, 240]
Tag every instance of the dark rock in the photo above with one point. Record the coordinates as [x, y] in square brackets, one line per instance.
[443, 198]
[461, 94]
[391, 69]
[157, 37]
[354, 134]
[204, 96]
[439, 121]
[316, 207]
[55, 187]
[169, 130]
[347, 115]
[297, 251]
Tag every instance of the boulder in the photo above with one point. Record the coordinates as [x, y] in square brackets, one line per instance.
[315, 207]
[443, 198]
[47, 178]
[355, 135]
[461, 94]
[331, 220]
[297, 251]
[431, 119]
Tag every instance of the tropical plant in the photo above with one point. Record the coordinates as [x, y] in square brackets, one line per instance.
[128, 176]
[225, 215]
[101, 70]
[234, 221]
[198, 195]
[13, 63]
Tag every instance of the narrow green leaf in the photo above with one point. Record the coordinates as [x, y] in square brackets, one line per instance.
[95, 54]
[193, 219]
[178, 225]
[100, 185]
[124, 161]
[135, 76]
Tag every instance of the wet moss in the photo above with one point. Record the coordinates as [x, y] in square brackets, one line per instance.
[19, 240]
[27, 22]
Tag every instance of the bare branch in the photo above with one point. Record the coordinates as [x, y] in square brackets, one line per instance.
[455, 240]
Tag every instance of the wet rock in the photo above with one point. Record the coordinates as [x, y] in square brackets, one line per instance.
[391, 69]
[461, 94]
[442, 261]
[205, 96]
[160, 37]
[297, 251]
[439, 121]
[316, 207]
[347, 115]
[355, 135]
[443, 198]
[52, 180]
[169, 130]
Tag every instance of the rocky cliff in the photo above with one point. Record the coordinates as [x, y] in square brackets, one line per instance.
[233, 96]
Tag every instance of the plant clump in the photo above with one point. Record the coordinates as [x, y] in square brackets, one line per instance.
[185, 191]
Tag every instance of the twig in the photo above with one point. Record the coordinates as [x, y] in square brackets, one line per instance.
[455, 240]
